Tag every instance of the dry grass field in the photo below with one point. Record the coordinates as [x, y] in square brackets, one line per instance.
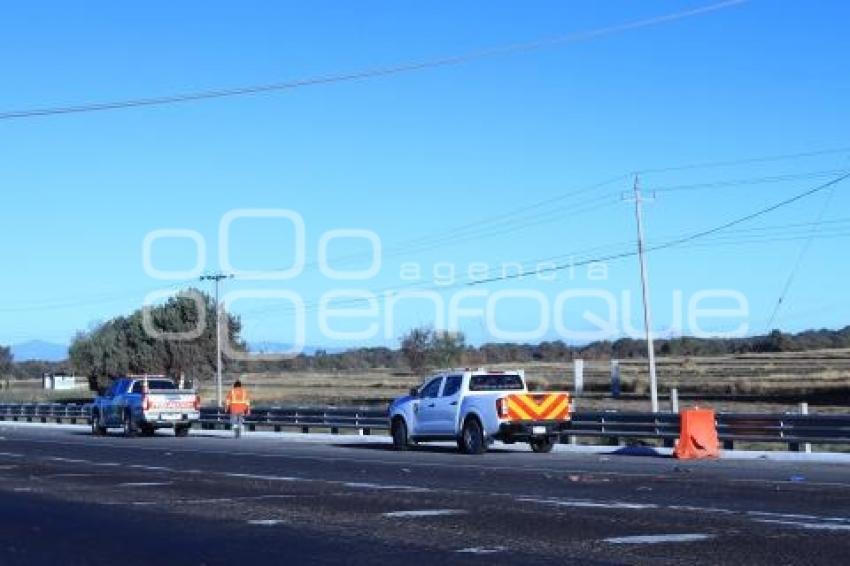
[749, 382]
[758, 382]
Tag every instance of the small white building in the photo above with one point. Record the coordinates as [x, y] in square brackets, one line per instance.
[59, 382]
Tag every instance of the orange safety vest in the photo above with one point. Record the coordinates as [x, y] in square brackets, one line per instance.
[237, 401]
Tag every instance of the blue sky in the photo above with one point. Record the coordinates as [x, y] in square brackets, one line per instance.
[420, 155]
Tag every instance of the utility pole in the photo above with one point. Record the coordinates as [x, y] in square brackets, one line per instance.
[217, 277]
[647, 314]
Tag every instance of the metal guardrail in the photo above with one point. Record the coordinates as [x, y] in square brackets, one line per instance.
[45, 412]
[615, 426]
[334, 419]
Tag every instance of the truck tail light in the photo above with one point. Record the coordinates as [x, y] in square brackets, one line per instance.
[502, 408]
[146, 403]
[197, 404]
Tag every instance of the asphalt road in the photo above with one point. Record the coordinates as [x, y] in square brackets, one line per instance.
[67, 497]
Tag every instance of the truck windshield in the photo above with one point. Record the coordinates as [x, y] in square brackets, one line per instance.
[496, 382]
[155, 385]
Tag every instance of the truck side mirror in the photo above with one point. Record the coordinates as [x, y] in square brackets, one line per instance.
[414, 392]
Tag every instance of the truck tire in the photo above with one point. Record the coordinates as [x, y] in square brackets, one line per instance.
[96, 428]
[130, 429]
[399, 434]
[181, 431]
[542, 445]
[148, 430]
[472, 439]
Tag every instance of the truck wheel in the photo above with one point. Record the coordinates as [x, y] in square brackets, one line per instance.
[181, 431]
[96, 428]
[129, 426]
[542, 445]
[148, 430]
[399, 432]
[472, 439]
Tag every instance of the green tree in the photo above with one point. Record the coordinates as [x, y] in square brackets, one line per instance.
[414, 347]
[446, 348]
[123, 345]
[7, 365]
[424, 347]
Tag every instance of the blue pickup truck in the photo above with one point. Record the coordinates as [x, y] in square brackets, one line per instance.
[143, 404]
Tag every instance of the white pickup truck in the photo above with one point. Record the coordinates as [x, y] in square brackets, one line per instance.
[476, 407]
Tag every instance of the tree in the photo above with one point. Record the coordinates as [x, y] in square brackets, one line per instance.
[6, 364]
[423, 347]
[125, 344]
[414, 346]
[446, 348]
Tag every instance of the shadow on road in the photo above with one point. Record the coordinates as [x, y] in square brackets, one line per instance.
[421, 448]
[639, 451]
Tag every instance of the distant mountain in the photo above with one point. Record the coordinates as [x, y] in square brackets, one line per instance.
[39, 350]
[266, 347]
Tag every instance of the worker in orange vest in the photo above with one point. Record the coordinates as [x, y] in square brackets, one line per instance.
[238, 405]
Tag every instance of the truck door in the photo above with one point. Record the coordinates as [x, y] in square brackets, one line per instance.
[447, 406]
[427, 412]
[109, 408]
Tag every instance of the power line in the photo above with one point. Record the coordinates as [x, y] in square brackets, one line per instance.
[806, 245]
[748, 181]
[613, 256]
[374, 72]
[93, 301]
[684, 239]
[745, 161]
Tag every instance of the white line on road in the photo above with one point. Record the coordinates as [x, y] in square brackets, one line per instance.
[265, 522]
[51, 476]
[584, 503]
[423, 513]
[482, 550]
[11, 455]
[68, 460]
[796, 516]
[376, 486]
[144, 484]
[807, 525]
[658, 539]
[263, 478]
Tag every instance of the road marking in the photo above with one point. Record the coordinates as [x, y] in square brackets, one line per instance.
[232, 499]
[482, 550]
[423, 513]
[151, 468]
[584, 503]
[658, 539]
[262, 477]
[265, 522]
[717, 510]
[69, 476]
[11, 455]
[22, 489]
[825, 526]
[377, 486]
[144, 484]
[68, 460]
[796, 516]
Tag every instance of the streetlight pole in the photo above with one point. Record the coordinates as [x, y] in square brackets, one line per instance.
[217, 277]
[647, 314]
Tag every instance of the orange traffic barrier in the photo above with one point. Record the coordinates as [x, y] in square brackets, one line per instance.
[697, 435]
